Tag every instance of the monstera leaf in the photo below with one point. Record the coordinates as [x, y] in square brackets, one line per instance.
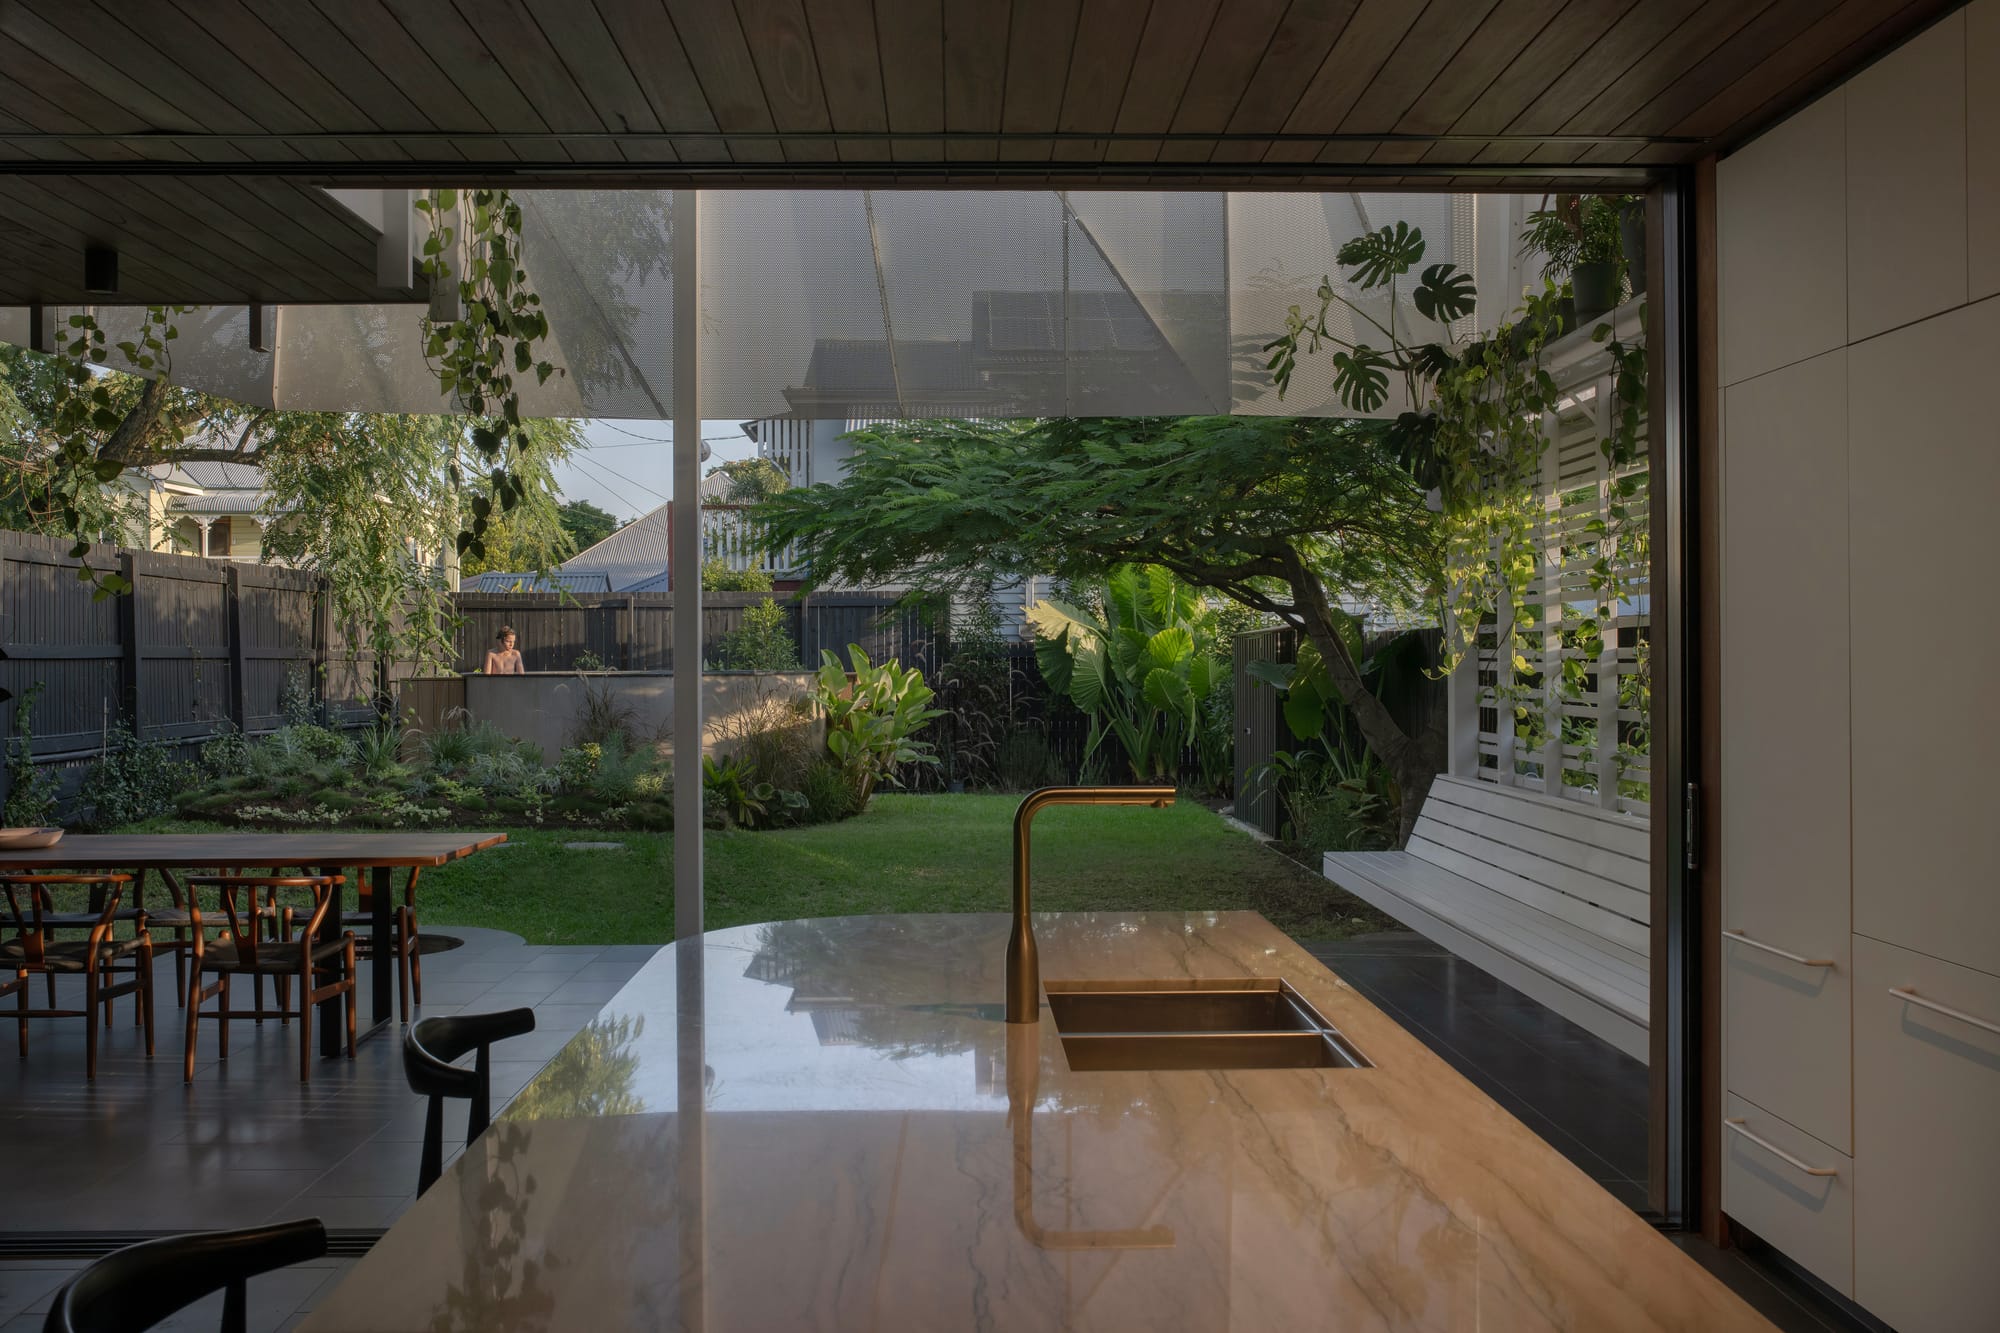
[1444, 293]
[1361, 378]
[1381, 255]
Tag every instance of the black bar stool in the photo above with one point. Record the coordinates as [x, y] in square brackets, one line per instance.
[429, 1047]
[141, 1285]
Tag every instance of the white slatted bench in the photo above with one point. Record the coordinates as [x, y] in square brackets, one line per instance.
[1547, 895]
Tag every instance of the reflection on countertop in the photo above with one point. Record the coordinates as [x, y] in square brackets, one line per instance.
[821, 1125]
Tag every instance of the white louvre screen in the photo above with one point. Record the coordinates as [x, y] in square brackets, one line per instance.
[1587, 740]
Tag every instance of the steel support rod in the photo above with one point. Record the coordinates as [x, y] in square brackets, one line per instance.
[684, 564]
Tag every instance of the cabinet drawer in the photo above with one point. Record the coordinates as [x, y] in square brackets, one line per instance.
[1927, 1140]
[1788, 1026]
[1768, 1185]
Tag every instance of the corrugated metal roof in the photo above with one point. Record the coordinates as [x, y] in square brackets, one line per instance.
[217, 502]
[560, 580]
[636, 553]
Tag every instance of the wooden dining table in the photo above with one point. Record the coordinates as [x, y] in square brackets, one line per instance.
[380, 855]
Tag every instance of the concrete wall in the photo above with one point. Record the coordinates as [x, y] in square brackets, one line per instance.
[545, 708]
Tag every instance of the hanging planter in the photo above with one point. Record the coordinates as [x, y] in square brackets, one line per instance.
[1632, 240]
[1595, 286]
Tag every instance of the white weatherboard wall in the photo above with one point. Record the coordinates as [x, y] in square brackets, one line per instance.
[1859, 316]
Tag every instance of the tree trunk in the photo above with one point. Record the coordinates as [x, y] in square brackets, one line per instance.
[1413, 761]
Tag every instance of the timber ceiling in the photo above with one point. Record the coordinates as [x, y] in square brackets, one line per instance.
[1210, 94]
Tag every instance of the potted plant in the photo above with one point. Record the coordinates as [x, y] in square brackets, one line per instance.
[1578, 239]
[1632, 240]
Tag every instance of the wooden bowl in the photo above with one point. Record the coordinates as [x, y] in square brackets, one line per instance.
[28, 839]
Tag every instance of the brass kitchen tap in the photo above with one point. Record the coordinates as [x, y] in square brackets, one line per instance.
[1024, 968]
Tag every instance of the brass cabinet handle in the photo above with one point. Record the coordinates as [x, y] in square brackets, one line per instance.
[1778, 1152]
[1905, 993]
[1801, 959]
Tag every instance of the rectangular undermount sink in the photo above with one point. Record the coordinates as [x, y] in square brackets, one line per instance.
[1246, 1023]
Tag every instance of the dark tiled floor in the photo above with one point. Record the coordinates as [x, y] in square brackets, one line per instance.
[1587, 1098]
[139, 1150]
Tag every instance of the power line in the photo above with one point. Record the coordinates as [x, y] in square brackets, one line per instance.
[579, 459]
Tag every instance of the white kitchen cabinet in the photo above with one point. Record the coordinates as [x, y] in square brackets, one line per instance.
[1781, 242]
[1927, 1141]
[1784, 823]
[1906, 183]
[1924, 469]
[1791, 1190]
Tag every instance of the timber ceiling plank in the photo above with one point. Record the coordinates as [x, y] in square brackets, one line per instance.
[90, 75]
[1609, 58]
[1827, 49]
[910, 34]
[1556, 48]
[1221, 74]
[1423, 53]
[1370, 39]
[1176, 31]
[326, 254]
[659, 65]
[150, 36]
[1100, 68]
[1297, 51]
[382, 44]
[975, 73]
[563, 95]
[1502, 36]
[1039, 45]
[307, 82]
[290, 251]
[43, 99]
[716, 50]
[781, 46]
[445, 42]
[850, 74]
[1682, 49]
[86, 208]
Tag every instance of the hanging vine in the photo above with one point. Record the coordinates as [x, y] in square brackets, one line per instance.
[474, 246]
[1476, 431]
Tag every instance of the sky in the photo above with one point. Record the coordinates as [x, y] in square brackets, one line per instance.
[627, 466]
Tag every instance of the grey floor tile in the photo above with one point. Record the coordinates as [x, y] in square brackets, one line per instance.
[29, 1286]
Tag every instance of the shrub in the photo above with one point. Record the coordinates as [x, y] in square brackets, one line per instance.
[732, 792]
[1026, 762]
[134, 780]
[762, 642]
[717, 576]
[828, 793]
[31, 793]
[601, 715]
[295, 701]
[976, 687]
[379, 751]
[227, 756]
[872, 719]
[777, 736]
[587, 661]
[447, 750]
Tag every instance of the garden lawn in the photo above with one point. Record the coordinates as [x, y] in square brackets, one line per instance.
[906, 854]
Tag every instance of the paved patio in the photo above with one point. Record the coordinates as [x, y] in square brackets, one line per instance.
[140, 1151]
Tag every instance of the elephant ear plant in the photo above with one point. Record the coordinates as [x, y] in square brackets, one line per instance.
[1140, 669]
[872, 718]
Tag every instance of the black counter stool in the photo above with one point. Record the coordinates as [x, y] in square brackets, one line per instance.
[429, 1047]
[141, 1285]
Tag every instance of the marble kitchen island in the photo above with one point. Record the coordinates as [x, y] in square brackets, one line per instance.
[827, 1125]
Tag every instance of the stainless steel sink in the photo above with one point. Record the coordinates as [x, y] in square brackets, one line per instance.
[1248, 1023]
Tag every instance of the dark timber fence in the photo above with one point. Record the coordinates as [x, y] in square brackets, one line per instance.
[1412, 698]
[634, 632]
[195, 649]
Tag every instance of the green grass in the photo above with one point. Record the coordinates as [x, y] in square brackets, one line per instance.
[907, 854]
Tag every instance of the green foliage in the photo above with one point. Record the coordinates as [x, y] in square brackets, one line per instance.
[749, 480]
[828, 792]
[31, 793]
[379, 751]
[445, 751]
[601, 714]
[587, 661]
[761, 642]
[1336, 798]
[1024, 762]
[1576, 229]
[133, 780]
[475, 245]
[872, 719]
[717, 576]
[976, 688]
[586, 524]
[1145, 669]
[227, 756]
[776, 737]
[733, 794]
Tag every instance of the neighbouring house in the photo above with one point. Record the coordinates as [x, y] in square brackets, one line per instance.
[634, 559]
[217, 510]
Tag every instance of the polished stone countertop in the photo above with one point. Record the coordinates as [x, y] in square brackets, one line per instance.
[825, 1125]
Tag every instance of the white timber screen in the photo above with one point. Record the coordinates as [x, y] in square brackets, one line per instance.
[1524, 722]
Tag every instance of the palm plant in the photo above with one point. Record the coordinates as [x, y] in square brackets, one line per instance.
[1140, 671]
